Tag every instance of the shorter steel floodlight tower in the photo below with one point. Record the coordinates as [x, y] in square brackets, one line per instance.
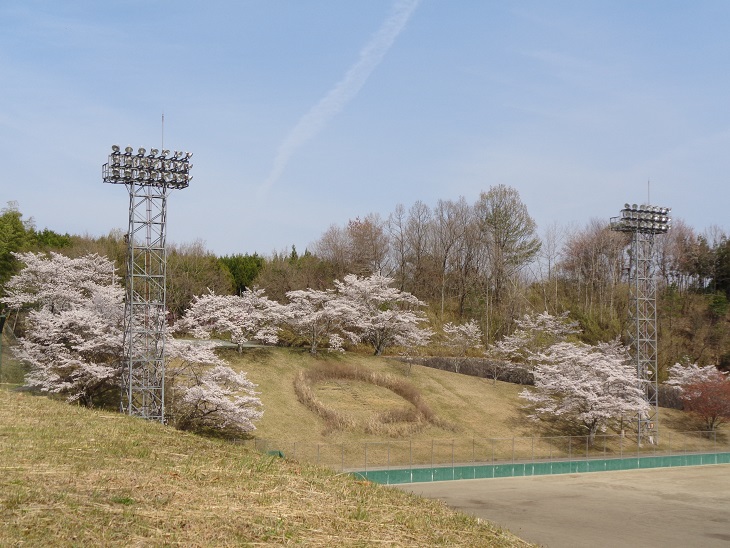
[148, 179]
[644, 222]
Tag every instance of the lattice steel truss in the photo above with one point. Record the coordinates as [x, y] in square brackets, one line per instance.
[148, 179]
[644, 222]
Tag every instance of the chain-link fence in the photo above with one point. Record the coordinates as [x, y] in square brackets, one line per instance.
[375, 455]
[12, 371]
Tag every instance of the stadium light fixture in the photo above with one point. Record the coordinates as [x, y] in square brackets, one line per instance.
[644, 218]
[155, 169]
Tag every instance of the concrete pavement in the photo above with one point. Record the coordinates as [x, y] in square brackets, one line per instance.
[656, 508]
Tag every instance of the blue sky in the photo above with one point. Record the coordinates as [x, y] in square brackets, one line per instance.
[307, 113]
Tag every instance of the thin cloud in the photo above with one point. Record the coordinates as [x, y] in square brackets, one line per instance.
[344, 91]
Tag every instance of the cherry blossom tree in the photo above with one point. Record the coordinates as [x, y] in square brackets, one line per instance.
[462, 337]
[205, 393]
[73, 331]
[246, 317]
[704, 391]
[591, 386]
[317, 316]
[383, 315]
[534, 333]
[681, 375]
[73, 345]
[56, 282]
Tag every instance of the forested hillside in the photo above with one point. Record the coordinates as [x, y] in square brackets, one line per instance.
[486, 261]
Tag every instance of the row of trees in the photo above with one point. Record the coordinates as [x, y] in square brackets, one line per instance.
[453, 254]
[480, 261]
[73, 334]
[360, 309]
[484, 261]
[73, 344]
[456, 250]
[595, 387]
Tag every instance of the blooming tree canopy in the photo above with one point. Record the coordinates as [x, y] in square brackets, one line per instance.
[205, 393]
[73, 332]
[56, 282]
[383, 315]
[592, 386]
[73, 345]
[317, 316]
[534, 333]
[709, 400]
[704, 391]
[681, 375]
[462, 337]
[246, 317]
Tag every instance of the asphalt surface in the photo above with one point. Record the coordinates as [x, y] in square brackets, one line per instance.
[662, 507]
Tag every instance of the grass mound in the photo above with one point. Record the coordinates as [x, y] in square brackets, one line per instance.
[379, 403]
[73, 476]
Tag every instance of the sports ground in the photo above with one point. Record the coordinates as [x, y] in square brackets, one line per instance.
[686, 506]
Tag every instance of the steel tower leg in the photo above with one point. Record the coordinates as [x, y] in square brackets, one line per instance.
[143, 373]
[643, 330]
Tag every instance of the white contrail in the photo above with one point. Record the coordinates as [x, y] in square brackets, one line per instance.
[346, 89]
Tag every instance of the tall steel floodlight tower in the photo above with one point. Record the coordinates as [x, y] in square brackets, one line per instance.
[148, 179]
[644, 223]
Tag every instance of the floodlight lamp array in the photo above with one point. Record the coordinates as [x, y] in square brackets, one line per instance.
[643, 218]
[158, 168]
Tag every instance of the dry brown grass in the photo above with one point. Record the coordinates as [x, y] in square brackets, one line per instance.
[484, 419]
[71, 476]
[380, 403]
[464, 406]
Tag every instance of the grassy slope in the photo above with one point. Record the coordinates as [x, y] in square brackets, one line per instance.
[475, 408]
[72, 476]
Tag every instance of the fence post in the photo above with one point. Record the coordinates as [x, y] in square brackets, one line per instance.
[432, 442]
[551, 452]
[513, 449]
[621, 444]
[587, 440]
[492, 451]
[669, 434]
[532, 449]
[570, 448]
[452, 453]
[473, 453]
